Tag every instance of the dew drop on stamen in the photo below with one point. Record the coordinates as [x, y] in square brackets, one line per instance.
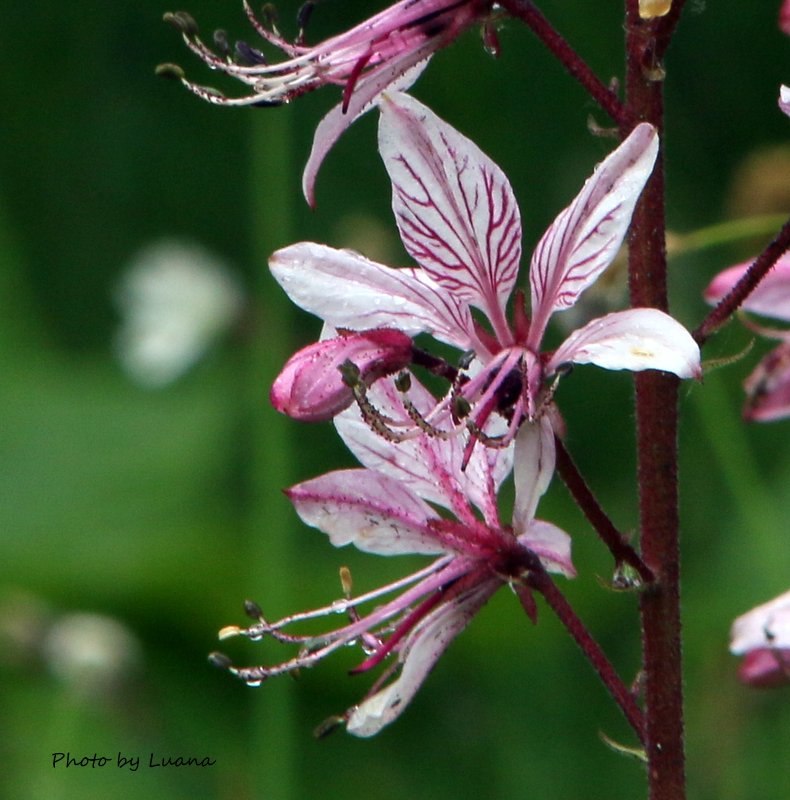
[339, 607]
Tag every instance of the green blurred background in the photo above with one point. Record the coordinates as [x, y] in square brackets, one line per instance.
[135, 520]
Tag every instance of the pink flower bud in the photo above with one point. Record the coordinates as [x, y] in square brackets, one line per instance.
[768, 387]
[765, 668]
[311, 386]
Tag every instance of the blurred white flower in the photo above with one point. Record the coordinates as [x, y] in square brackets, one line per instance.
[174, 298]
[91, 653]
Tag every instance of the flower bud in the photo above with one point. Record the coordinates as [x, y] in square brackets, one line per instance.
[768, 387]
[311, 386]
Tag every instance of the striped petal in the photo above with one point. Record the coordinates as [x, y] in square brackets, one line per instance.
[347, 290]
[429, 466]
[455, 209]
[585, 237]
[375, 513]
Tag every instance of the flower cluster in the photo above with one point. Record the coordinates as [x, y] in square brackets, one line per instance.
[424, 488]
[458, 219]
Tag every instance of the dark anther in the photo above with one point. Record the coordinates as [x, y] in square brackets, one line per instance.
[461, 407]
[183, 22]
[221, 42]
[220, 660]
[466, 359]
[509, 390]
[269, 14]
[172, 71]
[252, 610]
[267, 103]
[403, 382]
[328, 726]
[303, 17]
[349, 372]
[248, 56]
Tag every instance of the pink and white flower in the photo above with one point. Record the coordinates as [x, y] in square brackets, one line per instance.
[388, 508]
[458, 219]
[762, 636]
[386, 51]
[768, 386]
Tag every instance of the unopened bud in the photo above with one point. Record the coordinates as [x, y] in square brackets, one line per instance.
[768, 387]
[318, 382]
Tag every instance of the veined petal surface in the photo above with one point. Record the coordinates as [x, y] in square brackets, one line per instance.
[585, 237]
[454, 206]
[430, 466]
[348, 290]
[375, 513]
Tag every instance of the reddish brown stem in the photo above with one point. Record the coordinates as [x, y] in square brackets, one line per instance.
[730, 303]
[657, 418]
[597, 517]
[541, 582]
[527, 12]
[667, 25]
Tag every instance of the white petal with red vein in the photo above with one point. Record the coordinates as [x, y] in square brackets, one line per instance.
[375, 513]
[454, 206]
[347, 290]
[585, 237]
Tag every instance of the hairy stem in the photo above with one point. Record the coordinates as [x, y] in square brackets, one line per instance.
[540, 580]
[597, 517]
[730, 303]
[529, 14]
[657, 421]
